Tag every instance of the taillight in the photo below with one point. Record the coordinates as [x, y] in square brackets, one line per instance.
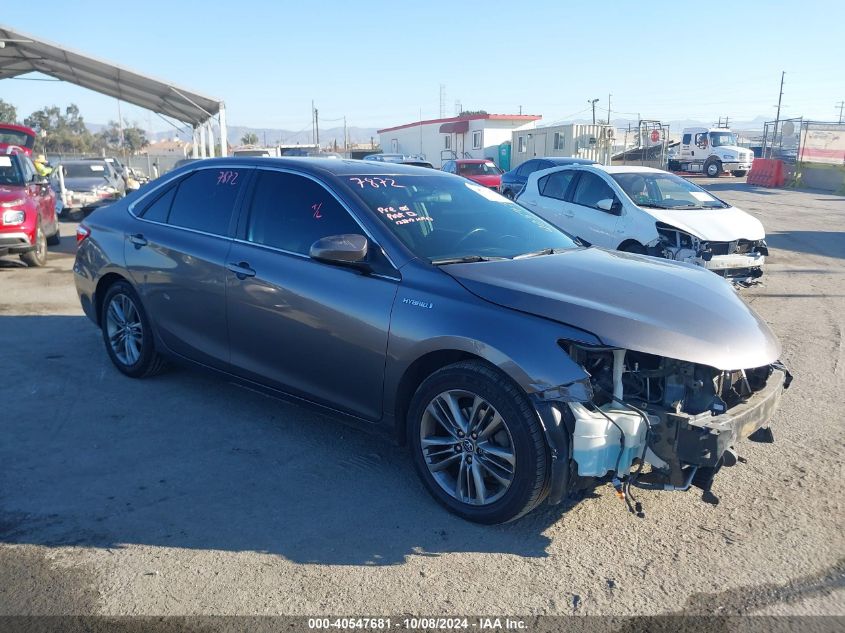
[82, 232]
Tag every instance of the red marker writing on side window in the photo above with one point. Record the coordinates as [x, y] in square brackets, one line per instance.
[316, 208]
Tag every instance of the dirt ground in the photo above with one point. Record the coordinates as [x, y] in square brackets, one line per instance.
[184, 494]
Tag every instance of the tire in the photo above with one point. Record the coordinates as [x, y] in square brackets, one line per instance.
[713, 168]
[123, 316]
[507, 193]
[56, 238]
[38, 257]
[674, 165]
[739, 173]
[633, 247]
[513, 467]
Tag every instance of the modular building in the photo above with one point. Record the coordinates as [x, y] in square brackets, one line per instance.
[465, 136]
[594, 142]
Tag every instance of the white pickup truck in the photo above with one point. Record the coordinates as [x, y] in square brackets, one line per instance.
[711, 151]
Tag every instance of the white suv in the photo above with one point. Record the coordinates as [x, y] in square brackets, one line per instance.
[652, 212]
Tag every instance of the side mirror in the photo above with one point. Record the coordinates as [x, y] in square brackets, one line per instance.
[341, 249]
[610, 205]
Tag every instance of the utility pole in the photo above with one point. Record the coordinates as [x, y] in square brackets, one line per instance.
[841, 105]
[593, 103]
[608, 107]
[777, 118]
[442, 101]
[317, 126]
[345, 137]
[520, 111]
[313, 119]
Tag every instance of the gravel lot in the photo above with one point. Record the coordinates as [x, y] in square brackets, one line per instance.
[184, 494]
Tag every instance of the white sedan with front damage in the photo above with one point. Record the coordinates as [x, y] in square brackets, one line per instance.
[649, 211]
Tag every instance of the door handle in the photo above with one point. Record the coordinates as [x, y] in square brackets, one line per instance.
[138, 240]
[242, 270]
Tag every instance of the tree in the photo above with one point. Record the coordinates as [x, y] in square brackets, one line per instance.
[60, 132]
[134, 138]
[250, 138]
[8, 112]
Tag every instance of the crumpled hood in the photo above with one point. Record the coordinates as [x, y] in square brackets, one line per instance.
[712, 225]
[630, 301]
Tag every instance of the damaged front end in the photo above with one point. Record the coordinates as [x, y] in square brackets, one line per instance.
[740, 261]
[682, 419]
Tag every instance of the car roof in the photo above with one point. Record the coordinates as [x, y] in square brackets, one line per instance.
[567, 160]
[334, 166]
[467, 161]
[82, 161]
[629, 169]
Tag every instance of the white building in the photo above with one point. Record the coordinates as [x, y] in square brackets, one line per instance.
[594, 142]
[467, 136]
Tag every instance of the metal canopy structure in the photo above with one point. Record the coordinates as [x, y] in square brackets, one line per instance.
[21, 53]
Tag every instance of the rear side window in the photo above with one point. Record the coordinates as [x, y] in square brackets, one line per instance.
[686, 139]
[527, 169]
[205, 200]
[591, 189]
[292, 212]
[556, 184]
[159, 208]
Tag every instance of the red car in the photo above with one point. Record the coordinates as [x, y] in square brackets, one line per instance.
[480, 170]
[16, 137]
[28, 219]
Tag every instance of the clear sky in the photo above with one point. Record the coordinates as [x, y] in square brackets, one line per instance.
[381, 63]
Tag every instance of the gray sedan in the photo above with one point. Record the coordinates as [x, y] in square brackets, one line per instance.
[517, 365]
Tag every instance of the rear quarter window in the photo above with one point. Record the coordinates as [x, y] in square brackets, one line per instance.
[158, 208]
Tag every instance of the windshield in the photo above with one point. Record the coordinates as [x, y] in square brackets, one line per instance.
[84, 170]
[477, 169]
[16, 137]
[665, 191]
[722, 138]
[10, 171]
[440, 217]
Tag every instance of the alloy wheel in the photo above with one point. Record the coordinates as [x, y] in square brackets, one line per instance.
[467, 447]
[124, 329]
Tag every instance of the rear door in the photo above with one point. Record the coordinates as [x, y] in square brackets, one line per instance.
[177, 255]
[550, 203]
[583, 215]
[306, 327]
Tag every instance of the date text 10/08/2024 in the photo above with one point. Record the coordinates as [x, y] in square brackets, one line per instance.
[417, 623]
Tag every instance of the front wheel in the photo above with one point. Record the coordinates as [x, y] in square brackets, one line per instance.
[38, 256]
[127, 334]
[713, 168]
[477, 443]
[739, 173]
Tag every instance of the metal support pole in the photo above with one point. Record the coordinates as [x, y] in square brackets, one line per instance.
[224, 132]
[195, 145]
[210, 129]
[777, 118]
[203, 153]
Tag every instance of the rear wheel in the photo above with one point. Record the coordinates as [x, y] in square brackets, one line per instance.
[37, 256]
[127, 334]
[477, 443]
[633, 247]
[508, 194]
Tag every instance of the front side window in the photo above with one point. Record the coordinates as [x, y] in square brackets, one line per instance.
[590, 189]
[291, 212]
[206, 199]
[441, 218]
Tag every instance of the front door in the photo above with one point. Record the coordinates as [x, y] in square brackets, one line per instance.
[309, 328]
[585, 217]
[177, 254]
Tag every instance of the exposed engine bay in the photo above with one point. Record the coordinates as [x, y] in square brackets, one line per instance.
[740, 261]
[681, 418]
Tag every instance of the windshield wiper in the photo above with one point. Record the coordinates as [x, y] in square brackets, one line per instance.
[544, 251]
[653, 205]
[467, 259]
